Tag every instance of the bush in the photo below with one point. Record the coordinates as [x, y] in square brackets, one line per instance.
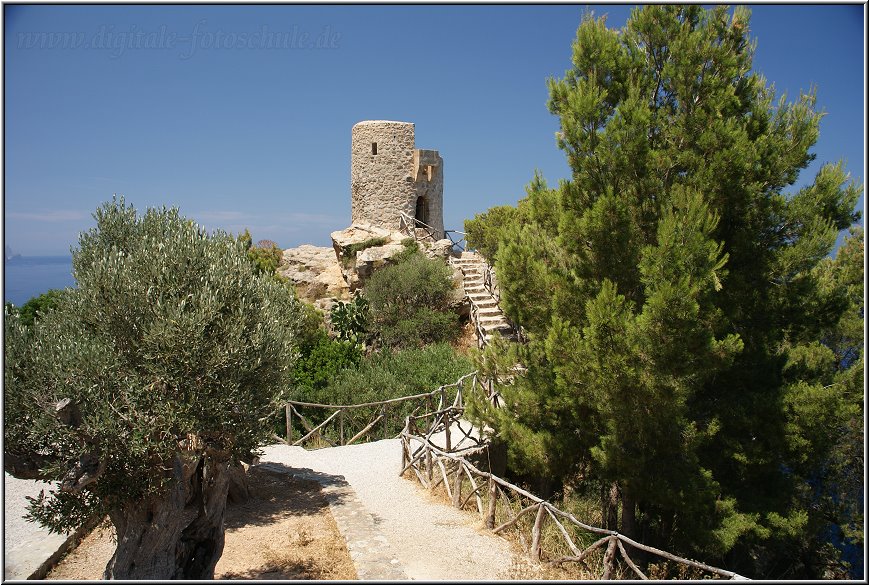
[392, 374]
[350, 320]
[266, 255]
[39, 306]
[483, 231]
[409, 302]
[321, 361]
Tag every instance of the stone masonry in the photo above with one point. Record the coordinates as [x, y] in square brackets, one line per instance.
[389, 175]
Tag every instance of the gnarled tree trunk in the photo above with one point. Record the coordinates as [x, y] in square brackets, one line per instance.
[179, 535]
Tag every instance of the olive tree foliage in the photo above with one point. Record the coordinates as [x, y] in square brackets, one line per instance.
[685, 330]
[147, 384]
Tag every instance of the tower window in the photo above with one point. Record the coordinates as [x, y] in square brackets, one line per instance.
[373, 148]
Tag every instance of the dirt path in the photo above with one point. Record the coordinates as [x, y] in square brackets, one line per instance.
[432, 540]
[284, 531]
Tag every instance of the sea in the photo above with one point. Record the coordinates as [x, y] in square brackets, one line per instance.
[25, 277]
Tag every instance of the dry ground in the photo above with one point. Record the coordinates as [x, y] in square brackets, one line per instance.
[284, 531]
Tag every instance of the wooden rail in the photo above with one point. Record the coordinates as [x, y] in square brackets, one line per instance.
[460, 243]
[409, 225]
[504, 506]
[334, 425]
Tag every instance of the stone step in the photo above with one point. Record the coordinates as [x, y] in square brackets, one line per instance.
[494, 310]
[481, 297]
[486, 303]
[494, 319]
[509, 336]
[491, 317]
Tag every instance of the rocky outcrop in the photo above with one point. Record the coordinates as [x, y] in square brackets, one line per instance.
[323, 274]
[315, 272]
[363, 248]
[439, 249]
[358, 236]
[369, 260]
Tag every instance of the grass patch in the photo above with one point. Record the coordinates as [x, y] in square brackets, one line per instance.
[349, 255]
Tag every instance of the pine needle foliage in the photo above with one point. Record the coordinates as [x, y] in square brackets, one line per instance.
[691, 343]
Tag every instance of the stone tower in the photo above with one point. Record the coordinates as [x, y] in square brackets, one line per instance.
[388, 175]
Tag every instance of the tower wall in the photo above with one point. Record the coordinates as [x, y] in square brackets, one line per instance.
[429, 184]
[382, 183]
[388, 176]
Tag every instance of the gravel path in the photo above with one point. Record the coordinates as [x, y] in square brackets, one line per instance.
[432, 540]
[26, 545]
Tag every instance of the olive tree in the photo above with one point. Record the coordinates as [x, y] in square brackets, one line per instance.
[147, 386]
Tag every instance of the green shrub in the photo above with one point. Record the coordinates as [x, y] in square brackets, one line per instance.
[266, 255]
[392, 374]
[409, 302]
[483, 231]
[350, 319]
[321, 360]
[39, 306]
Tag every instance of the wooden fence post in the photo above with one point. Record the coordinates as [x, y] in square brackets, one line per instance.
[535, 534]
[289, 416]
[341, 427]
[493, 498]
[457, 486]
[428, 465]
[448, 423]
[385, 413]
[609, 559]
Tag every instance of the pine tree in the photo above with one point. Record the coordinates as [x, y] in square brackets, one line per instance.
[669, 290]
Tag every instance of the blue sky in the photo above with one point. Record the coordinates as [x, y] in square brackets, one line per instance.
[249, 136]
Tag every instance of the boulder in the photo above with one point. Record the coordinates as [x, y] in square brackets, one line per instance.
[315, 272]
[362, 248]
[370, 259]
[439, 249]
[458, 300]
[344, 241]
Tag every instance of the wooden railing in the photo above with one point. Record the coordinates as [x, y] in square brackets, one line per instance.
[408, 225]
[460, 243]
[549, 535]
[330, 425]
[490, 283]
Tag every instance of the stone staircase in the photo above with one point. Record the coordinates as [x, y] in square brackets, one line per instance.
[490, 320]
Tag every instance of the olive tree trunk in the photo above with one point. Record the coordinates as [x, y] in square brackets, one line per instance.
[179, 535]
